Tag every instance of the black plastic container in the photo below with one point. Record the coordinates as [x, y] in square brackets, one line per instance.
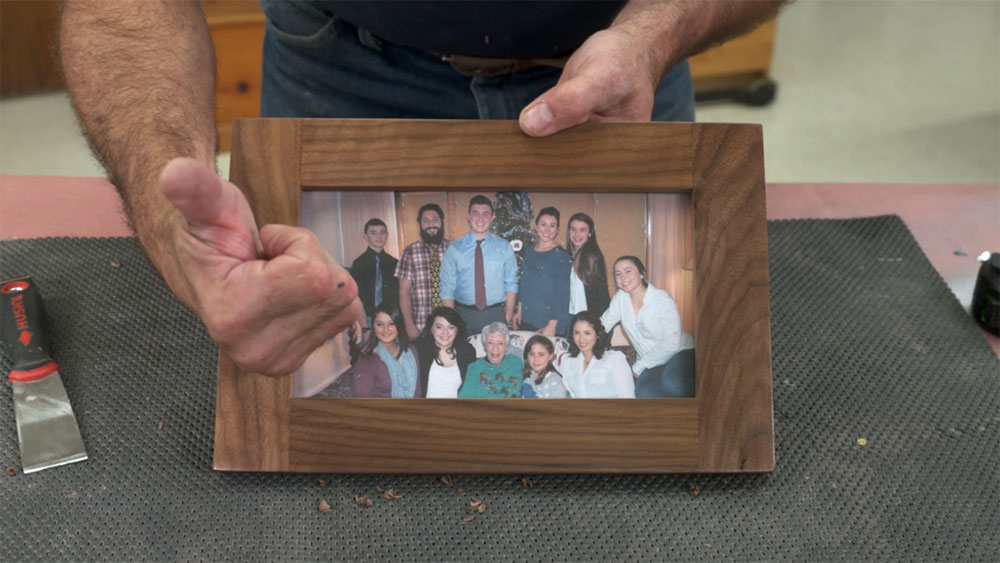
[986, 295]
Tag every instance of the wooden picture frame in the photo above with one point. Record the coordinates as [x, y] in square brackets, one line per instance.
[727, 427]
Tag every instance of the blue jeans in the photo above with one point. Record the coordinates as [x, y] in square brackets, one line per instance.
[672, 379]
[316, 65]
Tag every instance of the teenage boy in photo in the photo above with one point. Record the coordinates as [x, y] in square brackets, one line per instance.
[479, 272]
[375, 271]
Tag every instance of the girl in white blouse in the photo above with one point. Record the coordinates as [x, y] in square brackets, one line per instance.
[591, 369]
[652, 323]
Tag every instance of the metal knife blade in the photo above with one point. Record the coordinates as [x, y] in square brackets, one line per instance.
[47, 430]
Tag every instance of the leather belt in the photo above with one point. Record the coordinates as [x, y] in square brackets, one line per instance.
[494, 306]
[489, 66]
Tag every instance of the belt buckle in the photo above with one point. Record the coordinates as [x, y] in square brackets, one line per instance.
[485, 66]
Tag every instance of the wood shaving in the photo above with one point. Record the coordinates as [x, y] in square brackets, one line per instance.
[159, 425]
[508, 482]
[695, 489]
[862, 442]
[476, 505]
[446, 479]
[11, 472]
[525, 482]
[324, 506]
[322, 482]
[363, 501]
[391, 494]
[116, 264]
[468, 520]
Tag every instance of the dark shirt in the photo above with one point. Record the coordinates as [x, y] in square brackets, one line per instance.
[481, 28]
[363, 272]
[598, 298]
[544, 288]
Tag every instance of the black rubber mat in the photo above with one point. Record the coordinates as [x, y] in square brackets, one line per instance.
[869, 343]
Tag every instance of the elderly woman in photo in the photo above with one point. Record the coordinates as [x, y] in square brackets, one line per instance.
[498, 375]
[543, 292]
[588, 282]
[652, 323]
[541, 380]
[444, 355]
[591, 369]
[387, 364]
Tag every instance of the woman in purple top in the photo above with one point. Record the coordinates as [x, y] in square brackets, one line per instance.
[387, 366]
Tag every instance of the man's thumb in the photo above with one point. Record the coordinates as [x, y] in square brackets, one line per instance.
[568, 103]
[194, 190]
[215, 210]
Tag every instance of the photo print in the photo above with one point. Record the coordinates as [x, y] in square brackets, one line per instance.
[508, 295]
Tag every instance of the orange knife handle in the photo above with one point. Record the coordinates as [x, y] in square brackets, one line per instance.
[22, 322]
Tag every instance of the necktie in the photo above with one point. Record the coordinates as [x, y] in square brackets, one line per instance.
[378, 282]
[480, 277]
[435, 277]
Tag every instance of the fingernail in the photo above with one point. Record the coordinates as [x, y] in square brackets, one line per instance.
[538, 119]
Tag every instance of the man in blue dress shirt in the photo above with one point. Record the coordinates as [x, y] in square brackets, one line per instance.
[479, 272]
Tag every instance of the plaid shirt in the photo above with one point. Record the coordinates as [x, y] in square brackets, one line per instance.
[415, 265]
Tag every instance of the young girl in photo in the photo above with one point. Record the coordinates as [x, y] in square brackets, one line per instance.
[541, 380]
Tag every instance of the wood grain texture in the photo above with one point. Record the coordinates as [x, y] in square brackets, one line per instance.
[728, 427]
[251, 414]
[28, 60]
[734, 385]
[492, 155]
[746, 54]
[237, 29]
[492, 436]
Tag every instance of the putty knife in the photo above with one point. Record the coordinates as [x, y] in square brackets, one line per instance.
[46, 427]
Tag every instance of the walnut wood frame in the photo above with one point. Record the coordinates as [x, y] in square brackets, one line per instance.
[728, 427]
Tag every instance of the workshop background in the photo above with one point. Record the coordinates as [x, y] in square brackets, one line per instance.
[866, 91]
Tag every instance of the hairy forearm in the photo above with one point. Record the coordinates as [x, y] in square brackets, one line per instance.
[672, 30]
[141, 78]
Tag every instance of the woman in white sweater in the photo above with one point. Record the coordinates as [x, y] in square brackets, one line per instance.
[591, 369]
[652, 323]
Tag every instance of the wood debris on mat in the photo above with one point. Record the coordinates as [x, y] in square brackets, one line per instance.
[324, 506]
[446, 479]
[364, 501]
[390, 494]
[695, 489]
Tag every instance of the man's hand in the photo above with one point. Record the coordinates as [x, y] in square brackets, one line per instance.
[608, 78]
[615, 73]
[269, 298]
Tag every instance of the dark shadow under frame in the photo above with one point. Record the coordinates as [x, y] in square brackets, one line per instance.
[728, 427]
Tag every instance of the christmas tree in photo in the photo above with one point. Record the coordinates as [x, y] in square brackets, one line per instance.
[513, 216]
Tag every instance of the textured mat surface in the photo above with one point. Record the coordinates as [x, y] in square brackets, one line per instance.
[868, 343]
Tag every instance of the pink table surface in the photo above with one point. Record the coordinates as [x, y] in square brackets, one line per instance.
[943, 217]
